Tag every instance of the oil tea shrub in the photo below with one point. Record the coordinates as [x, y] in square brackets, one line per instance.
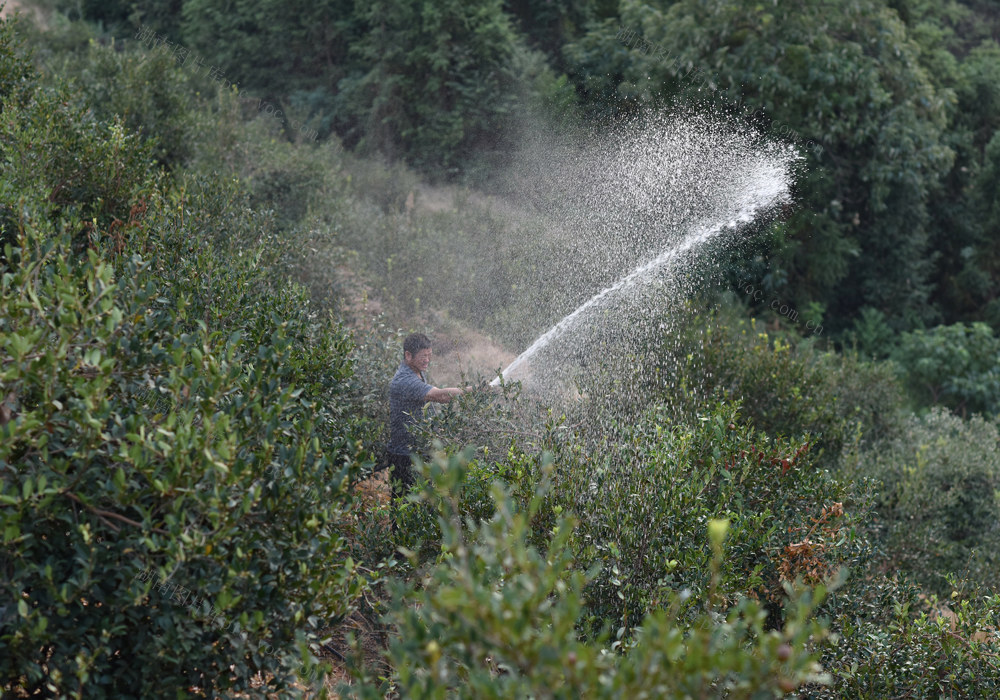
[938, 506]
[153, 369]
[496, 617]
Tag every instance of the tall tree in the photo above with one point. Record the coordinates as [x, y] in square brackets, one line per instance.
[434, 80]
[839, 79]
[274, 46]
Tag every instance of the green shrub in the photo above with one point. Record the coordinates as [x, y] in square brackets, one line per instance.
[148, 92]
[785, 387]
[235, 492]
[644, 498]
[419, 530]
[16, 75]
[892, 642]
[938, 506]
[871, 335]
[229, 492]
[58, 159]
[790, 389]
[956, 366]
[643, 491]
[170, 406]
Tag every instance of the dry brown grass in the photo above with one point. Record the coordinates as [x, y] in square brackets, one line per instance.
[26, 10]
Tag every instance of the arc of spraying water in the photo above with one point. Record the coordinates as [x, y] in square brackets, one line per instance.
[628, 280]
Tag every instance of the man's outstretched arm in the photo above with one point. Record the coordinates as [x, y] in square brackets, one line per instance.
[444, 395]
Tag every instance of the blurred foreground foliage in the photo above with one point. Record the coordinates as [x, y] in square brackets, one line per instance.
[494, 616]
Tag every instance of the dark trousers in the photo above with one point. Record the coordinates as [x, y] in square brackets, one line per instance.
[400, 474]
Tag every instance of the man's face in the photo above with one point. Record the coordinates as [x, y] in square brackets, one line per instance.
[420, 361]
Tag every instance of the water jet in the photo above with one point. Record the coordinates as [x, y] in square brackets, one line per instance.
[657, 192]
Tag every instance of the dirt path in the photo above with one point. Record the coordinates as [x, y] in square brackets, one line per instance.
[8, 8]
[27, 11]
[467, 352]
[458, 348]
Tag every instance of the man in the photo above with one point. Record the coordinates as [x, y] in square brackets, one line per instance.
[408, 392]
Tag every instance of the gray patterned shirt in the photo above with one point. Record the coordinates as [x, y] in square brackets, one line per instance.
[407, 396]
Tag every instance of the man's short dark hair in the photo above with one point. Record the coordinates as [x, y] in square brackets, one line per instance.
[415, 343]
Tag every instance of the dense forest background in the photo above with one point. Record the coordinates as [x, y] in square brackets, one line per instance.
[218, 220]
[897, 222]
